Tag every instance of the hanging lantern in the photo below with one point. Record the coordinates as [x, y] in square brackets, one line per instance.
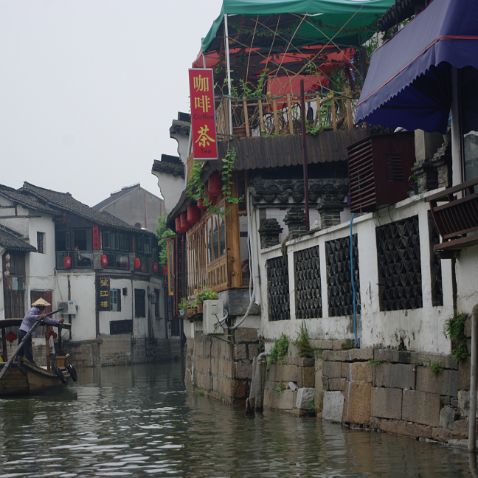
[104, 261]
[183, 221]
[193, 214]
[177, 224]
[137, 263]
[11, 336]
[214, 185]
[67, 262]
[155, 267]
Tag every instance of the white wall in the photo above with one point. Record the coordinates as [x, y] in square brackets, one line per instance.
[171, 188]
[421, 329]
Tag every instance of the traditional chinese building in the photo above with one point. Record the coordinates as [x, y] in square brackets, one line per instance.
[101, 270]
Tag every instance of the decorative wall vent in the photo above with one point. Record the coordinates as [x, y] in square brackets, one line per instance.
[379, 168]
[339, 283]
[278, 288]
[399, 269]
[308, 296]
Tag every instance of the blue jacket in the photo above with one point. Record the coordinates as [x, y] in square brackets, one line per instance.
[32, 316]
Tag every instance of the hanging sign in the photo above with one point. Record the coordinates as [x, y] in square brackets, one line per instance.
[102, 293]
[203, 123]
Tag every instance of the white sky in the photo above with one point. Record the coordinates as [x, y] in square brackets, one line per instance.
[88, 89]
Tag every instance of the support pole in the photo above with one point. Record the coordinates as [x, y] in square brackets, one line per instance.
[304, 156]
[228, 70]
[473, 366]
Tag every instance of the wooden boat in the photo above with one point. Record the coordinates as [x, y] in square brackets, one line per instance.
[24, 377]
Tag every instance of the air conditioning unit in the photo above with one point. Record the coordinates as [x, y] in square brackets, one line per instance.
[379, 170]
[213, 312]
[68, 308]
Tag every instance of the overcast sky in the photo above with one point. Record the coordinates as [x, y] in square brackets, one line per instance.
[88, 89]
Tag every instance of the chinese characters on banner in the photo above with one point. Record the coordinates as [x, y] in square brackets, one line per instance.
[102, 293]
[203, 124]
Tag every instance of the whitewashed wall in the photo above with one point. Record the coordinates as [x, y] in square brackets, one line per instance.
[421, 329]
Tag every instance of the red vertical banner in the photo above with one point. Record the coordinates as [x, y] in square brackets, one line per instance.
[203, 122]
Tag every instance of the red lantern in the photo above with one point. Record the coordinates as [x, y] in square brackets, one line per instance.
[137, 263]
[155, 267]
[11, 336]
[214, 185]
[104, 261]
[200, 204]
[183, 220]
[67, 262]
[164, 270]
[193, 214]
[177, 224]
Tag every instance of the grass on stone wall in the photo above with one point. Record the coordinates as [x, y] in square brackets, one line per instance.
[279, 350]
[455, 331]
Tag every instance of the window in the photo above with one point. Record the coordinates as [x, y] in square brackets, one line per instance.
[115, 300]
[41, 242]
[139, 303]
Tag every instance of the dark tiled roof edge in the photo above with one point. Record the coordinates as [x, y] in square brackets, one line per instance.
[13, 241]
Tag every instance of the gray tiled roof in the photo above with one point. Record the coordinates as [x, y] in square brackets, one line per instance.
[114, 196]
[24, 200]
[13, 241]
[66, 202]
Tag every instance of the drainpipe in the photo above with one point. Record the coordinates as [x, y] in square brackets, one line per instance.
[472, 413]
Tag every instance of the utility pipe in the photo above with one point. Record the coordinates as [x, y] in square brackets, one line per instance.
[228, 70]
[472, 412]
[305, 159]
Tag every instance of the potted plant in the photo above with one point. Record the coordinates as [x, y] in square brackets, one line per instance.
[183, 305]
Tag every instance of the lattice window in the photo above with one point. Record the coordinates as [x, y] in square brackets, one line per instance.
[278, 288]
[308, 293]
[339, 281]
[435, 265]
[399, 269]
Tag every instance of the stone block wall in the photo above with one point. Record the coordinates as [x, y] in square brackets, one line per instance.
[221, 365]
[416, 394]
[290, 385]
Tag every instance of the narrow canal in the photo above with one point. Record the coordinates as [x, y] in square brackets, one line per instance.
[140, 421]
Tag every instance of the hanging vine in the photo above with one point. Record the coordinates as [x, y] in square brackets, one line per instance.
[227, 182]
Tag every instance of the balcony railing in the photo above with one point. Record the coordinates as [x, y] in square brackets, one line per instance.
[455, 212]
[282, 114]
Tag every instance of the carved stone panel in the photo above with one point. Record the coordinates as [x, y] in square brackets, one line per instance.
[339, 279]
[278, 288]
[399, 268]
[308, 293]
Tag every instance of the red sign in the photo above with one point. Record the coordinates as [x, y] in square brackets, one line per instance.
[203, 124]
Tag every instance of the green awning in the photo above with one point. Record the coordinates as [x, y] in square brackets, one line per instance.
[346, 22]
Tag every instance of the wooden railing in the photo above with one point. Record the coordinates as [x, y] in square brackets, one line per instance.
[207, 254]
[455, 212]
[282, 115]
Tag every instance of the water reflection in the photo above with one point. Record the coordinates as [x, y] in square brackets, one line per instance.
[139, 421]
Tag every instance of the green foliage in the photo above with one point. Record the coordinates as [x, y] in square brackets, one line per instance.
[375, 363]
[279, 350]
[303, 342]
[183, 303]
[227, 169]
[436, 368]
[314, 129]
[455, 331]
[205, 294]
[162, 233]
[195, 187]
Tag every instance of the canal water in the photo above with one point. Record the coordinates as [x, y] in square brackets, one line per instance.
[140, 421]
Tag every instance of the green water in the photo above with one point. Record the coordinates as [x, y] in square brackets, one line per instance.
[140, 421]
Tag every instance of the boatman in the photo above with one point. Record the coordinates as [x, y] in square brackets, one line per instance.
[37, 312]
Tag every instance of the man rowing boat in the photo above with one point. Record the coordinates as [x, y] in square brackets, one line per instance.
[37, 312]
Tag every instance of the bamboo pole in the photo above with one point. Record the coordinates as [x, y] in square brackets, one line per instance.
[348, 108]
[289, 114]
[262, 126]
[276, 116]
[246, 115]
[333, 113]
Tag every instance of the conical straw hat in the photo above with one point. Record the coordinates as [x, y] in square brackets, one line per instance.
[42, 302]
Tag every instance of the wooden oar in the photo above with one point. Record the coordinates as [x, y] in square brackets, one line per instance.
[22, 343]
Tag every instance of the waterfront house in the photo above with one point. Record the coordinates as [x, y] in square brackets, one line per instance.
[104, 272]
